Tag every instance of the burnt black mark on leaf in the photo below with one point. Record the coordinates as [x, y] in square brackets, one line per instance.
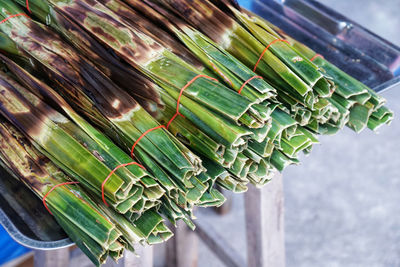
[106, 35]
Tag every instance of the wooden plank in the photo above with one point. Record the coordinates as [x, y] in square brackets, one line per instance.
[182, 249]
[143, 258]
[51, 258]
[265, 225]
[220, 247]
[227, 206]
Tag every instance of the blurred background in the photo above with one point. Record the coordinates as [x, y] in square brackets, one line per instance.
[342, 204]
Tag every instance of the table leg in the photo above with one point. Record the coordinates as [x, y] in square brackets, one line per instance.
[182, 249]
[143, 257]
[265, 225]
[227, 206]
[51, 258]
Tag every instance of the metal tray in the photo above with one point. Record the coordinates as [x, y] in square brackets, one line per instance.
[364, 55]
[354, 49]
[24, 217]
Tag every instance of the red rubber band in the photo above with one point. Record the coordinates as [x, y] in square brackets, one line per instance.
[152, 129]
[111, 173]
[265, 50]
[54, 187]
[27, 6]
[13, 16]
[146, 132]
[181, 93]
[244, 84]
[315, 56]
[173, 118]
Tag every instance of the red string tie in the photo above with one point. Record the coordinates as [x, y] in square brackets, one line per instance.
[27, 6]
[181, 93]
[265, 50]
[315, 56]
[152, 129]
[54, 187]
[244, 84]
[13, 16]
[111, 173]
[146, 132]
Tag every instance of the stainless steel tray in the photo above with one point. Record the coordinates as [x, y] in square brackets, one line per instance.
[359, 52]
[24, 217]
[362, 54]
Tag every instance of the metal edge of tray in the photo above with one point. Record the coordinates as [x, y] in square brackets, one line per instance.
[25, 218]
[24, 240]
[359, 52]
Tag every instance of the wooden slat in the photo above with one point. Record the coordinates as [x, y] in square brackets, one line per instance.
[265, 225]
[143, 258]
[227, 206]
[218, 245]
[51, 258]
[182, 249]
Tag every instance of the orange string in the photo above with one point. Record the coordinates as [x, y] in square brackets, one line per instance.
[315, 56]
[265, 50]
[13, 16]
[146, 132]
[180, 95]
[111, 173]
[27, 6]
[54, 187]
[173, 118]
[87, 203]
[244, 84]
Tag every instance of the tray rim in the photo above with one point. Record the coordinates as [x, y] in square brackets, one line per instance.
[28, 242]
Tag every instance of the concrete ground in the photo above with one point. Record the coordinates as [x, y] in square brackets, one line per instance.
[342, 204]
